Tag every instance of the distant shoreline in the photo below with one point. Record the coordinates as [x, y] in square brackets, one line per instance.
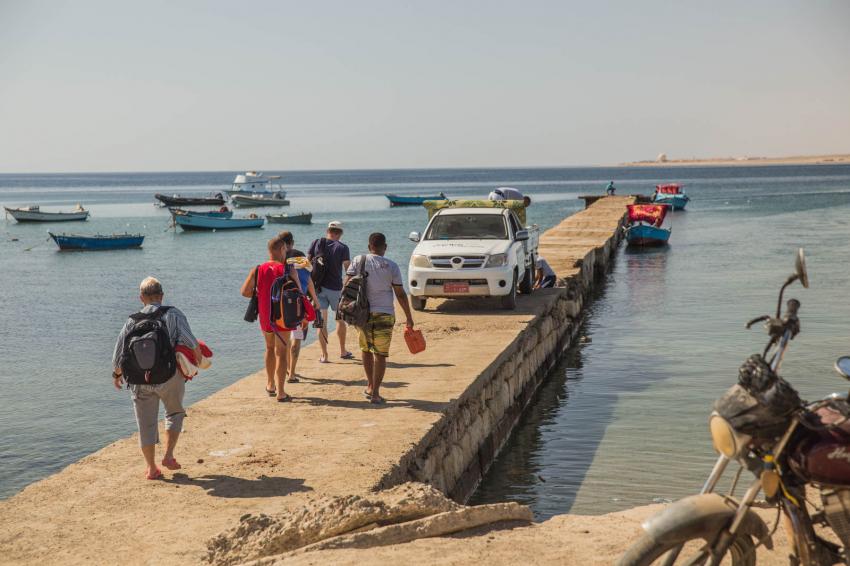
[831, 159]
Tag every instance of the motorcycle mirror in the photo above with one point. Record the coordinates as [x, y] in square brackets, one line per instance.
[842, 366]
[800, 268]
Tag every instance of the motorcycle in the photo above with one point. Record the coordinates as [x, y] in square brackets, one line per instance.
[797, 451]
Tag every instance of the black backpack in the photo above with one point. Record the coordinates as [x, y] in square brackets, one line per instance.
[287, 303]
[353, 302]
[320, 267]
[148, 355]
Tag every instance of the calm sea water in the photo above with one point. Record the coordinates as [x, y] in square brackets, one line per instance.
[623, 420]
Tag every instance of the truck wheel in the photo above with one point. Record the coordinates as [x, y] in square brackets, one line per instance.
[527, 284]
[418, 303]
[509, 300]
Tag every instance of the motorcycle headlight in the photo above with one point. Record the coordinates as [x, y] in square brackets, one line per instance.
[420, 261]
[727, 440]
[497, 260]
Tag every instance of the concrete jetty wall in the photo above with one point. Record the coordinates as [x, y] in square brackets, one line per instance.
[456, 453]
[449, 410]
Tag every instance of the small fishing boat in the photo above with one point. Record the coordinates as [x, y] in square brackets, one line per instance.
[253, 183]
[188, 222]
[302, 218]
[270, 199]
[644, 227]
[97, 242]
[398, 200]
[672, 194]
[223, 213]
[178, 200]
[35, 214]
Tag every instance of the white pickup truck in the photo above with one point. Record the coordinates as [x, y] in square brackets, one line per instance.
[473, 252]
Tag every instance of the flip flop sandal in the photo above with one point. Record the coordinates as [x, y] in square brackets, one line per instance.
[171, 463]
[155, 476]
[293, 380]
[271, 392]
[377, 400]
[286, 399]
[324, 360]
[367, 393]
[347, 356]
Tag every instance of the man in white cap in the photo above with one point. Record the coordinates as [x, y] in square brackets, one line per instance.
[334, 258]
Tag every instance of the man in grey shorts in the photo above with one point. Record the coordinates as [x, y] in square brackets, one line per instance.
[146, 397]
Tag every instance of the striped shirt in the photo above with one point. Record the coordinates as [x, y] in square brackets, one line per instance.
[175, 322]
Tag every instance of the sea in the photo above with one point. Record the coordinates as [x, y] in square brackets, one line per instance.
[620, 422]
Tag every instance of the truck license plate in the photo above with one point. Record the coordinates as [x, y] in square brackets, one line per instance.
[460, 287]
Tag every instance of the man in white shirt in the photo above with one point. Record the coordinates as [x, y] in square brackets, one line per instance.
[383, 285]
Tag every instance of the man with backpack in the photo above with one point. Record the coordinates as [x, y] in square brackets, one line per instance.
[382, 280]
[330, 258]
[145, 360]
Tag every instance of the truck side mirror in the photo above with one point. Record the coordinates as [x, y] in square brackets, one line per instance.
[521, 235]
[414, 237]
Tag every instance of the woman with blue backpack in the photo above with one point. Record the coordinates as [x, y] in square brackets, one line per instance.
[259, 286]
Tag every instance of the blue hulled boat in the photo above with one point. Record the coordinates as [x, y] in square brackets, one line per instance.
[644, 228]
[671, 194]
[188, 222]
[397, 200]
[97, 242]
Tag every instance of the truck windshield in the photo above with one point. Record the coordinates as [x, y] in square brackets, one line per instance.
[468, 227]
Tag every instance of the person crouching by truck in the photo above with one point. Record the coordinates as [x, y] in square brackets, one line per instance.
[383, 282]
[544, 274]
[145, 360]
[508, 193]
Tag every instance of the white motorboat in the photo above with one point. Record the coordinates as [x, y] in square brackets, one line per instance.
[254, 183]
[35, 214]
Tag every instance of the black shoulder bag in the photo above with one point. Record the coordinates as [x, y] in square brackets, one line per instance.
[253, 310]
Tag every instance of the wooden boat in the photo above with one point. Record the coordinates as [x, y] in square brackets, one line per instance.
[398, 200]
[210, 213]
[188, 222]
[253, 183]
[178, 200]
[303, 218]
[270, 199]
[672, 194]
[644, 228]
[34, 214]
[97, 242]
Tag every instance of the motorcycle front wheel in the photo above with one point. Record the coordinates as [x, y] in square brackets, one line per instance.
[648, 551]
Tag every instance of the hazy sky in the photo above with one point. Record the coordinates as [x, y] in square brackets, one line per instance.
[177, 85]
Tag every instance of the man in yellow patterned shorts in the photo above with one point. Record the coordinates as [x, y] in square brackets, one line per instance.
[383, 283]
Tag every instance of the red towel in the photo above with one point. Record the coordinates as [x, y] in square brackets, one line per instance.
[189, 369]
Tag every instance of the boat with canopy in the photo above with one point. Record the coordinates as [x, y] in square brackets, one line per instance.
[672, 194]
[254, 183]
[644, 227]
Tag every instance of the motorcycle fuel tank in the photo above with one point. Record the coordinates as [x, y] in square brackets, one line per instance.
[825, 456]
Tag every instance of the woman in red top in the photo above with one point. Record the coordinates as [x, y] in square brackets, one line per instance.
[277, 337]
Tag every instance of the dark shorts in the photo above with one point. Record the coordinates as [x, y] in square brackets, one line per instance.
[548, 281]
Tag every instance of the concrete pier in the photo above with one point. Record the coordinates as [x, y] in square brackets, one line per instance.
[449, 411]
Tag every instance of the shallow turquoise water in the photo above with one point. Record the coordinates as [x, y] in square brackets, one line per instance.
[667, 330]
[622, 421]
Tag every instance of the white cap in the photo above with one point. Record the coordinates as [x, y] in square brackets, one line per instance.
[335, 224]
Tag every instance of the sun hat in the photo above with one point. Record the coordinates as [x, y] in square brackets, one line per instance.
[336, 224]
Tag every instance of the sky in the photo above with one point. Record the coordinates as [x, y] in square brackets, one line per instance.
[186, 85]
